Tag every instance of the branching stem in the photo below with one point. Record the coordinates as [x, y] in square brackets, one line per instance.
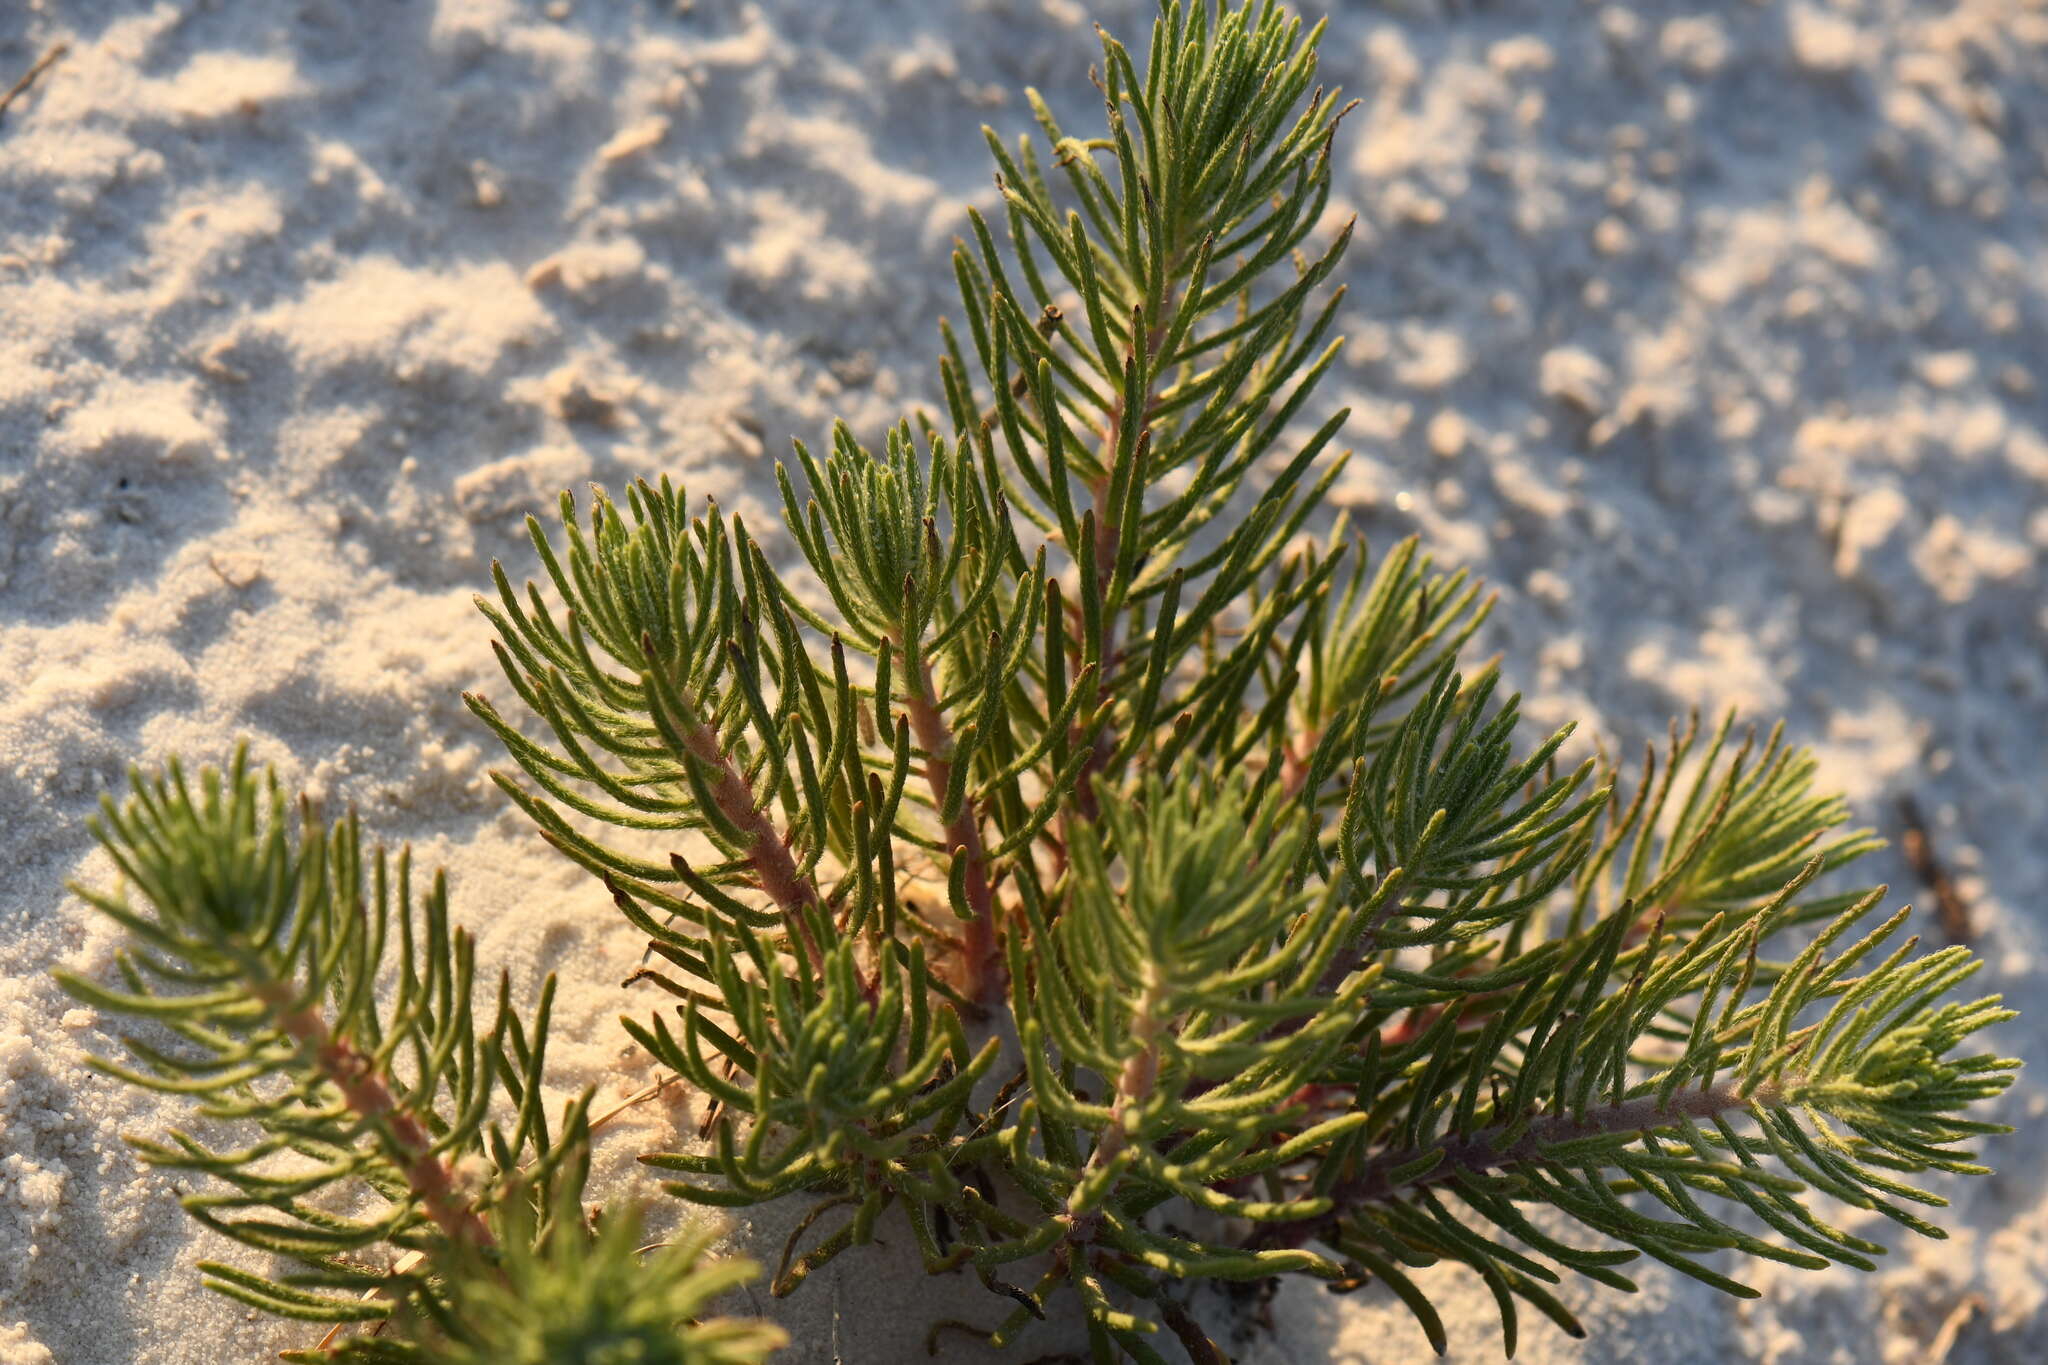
[1482, 1150]
[1345, 963]
[1107, 535]
[408, 1143]
[792, 892]
[981, 964]
[1134, 1085]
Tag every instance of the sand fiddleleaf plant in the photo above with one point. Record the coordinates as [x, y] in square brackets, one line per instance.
[1050, 850]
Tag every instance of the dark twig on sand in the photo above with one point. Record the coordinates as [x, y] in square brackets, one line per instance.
[28, 78]
[1919, 850]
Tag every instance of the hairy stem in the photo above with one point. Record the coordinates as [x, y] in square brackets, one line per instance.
[408, 1143]
[1134, 1085]
[981, 964]
[1484, 1150]
[1107, 541]
[766, 852]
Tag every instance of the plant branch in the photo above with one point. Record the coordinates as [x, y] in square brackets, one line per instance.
[793, 893]
[408, 1143]
[1134, 1085]
[981, 965]
[1483, 1149]
[1108, 538]
[1342, 966]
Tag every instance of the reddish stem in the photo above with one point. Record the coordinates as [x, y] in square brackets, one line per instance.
[410, 1145]
[766, 852]
[1104, 744]
[1134, 1085]
[1294, 764]
[981, 965]
[1107, 546]
[1482, 1151]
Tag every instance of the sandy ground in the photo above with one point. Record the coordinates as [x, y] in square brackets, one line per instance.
[1712, 335]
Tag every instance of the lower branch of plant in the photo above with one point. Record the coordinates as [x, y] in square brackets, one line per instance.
[1134, 1085]
[1483, 1150]
[766, 852]
[981, 963]
[409, 1145]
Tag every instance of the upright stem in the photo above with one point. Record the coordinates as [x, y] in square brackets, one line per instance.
[981, 965]
[1134, 1085]
[1104, 744]
[1107, 544]
[769, 856]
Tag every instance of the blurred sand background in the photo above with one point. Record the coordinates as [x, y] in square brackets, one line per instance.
[1712, 334]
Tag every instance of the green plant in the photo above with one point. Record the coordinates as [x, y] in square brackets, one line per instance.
[1123, 889]
[404, 1163]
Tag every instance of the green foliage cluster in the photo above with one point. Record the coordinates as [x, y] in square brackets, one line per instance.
[1075, 863]
[404, 1163]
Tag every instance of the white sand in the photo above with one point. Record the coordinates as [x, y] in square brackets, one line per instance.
[1712, 335]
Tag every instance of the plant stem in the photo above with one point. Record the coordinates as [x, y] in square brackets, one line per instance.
[1482, 1150]
[769, 856]
[1134, 1086]
[1103, 744]
[407, 1141]
[980, 963]
[1344, 964]
[1107, 541]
